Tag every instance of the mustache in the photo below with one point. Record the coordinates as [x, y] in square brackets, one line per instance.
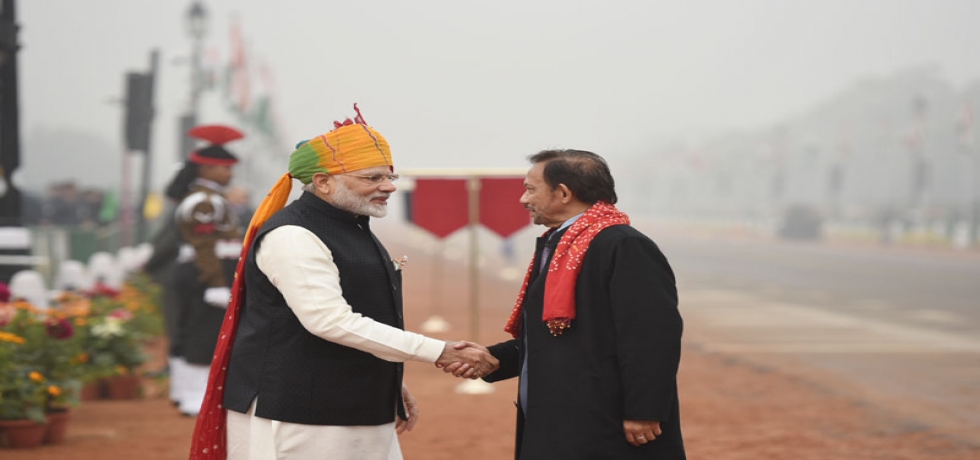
[380, 195]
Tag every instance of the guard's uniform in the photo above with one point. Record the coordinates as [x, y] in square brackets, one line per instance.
[205, 269]
[211, 245]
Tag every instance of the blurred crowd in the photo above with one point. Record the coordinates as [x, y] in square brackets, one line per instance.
[68, 205]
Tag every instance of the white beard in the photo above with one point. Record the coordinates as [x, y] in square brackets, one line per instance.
[344, 198]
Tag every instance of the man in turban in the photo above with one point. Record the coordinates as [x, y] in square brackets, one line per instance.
[309, 362]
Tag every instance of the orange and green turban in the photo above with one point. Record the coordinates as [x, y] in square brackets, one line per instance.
[353, 145]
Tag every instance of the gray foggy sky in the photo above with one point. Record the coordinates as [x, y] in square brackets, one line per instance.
[465, 83]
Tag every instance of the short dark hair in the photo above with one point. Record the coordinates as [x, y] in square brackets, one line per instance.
[584, 173]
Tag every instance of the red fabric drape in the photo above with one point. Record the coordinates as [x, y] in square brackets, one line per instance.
[500, 207]
[440, 206]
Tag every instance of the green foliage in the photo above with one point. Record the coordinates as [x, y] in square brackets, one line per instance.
[22, 394]
[45, 356]
[22, 389]
[112, 346]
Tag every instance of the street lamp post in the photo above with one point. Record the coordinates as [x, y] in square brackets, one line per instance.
[197, 28]
[15, 240]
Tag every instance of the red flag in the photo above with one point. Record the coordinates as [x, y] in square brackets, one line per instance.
[440, 206]
[500, 207]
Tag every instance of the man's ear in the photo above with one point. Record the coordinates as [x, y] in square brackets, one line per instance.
[322, 182]
[566, 193]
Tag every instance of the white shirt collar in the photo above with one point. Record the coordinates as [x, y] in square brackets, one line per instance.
[569, 222]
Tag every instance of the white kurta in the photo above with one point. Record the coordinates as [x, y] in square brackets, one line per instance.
[302, 269]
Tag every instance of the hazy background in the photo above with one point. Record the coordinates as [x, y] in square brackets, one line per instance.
[469, 84]
[725, 123]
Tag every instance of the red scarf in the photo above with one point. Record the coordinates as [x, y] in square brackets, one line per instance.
[211, 433]
[559, 288]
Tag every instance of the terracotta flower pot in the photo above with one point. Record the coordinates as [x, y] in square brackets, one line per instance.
[91, 391]
[122, 386]
[57, 426]
[21, 434]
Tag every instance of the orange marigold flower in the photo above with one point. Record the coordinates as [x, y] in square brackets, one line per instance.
[36, 376]
[53, 390]
[80, 321]
[12, 338]
[121, 370]
[81, 358]
[79, 307]
[24, 305]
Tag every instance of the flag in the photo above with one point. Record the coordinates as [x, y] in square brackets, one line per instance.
[440, 206]
[237, 82]
[500, 207]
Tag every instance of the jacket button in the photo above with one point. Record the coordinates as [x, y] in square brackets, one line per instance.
[394, 288]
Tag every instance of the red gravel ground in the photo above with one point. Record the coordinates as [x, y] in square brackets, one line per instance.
[732, 408]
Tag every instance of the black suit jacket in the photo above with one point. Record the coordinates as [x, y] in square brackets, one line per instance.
[618, 361]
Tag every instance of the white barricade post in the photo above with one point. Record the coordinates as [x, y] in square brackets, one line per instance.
[29, 285]
[143, 253]
[103, 268]
[128, 259]
[72, 276]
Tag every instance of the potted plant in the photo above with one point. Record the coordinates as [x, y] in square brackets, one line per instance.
[59, 361]
[141, 297]
[116, 350]
[22, 336]
[22, 394]
[60, 397]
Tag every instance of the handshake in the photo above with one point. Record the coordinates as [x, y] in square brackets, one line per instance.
[467, 359]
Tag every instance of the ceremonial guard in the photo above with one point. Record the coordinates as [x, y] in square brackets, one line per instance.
[211, 241]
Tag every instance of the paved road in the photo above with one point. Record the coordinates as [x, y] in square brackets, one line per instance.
[897, 329]
[939, 289]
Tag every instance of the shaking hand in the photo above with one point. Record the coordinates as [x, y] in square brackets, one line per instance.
[467, 359]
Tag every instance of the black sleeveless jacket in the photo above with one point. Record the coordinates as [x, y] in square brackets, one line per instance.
[297, 376]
